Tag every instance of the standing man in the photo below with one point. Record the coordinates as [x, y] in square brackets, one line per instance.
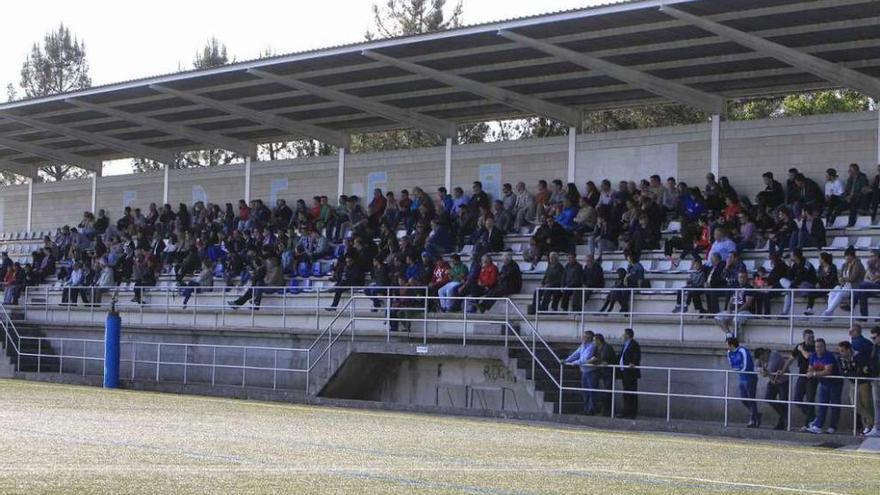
[874, 371]
[741, 361]
[773, 366]
[805, 386]
[824, 367]
[589, 377]
[630, 360]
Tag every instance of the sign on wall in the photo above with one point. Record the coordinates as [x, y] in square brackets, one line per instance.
[616, 164]
[490, 176]
[129, 198]
[277, 186]
[357, 189]
[377, 179]
[199, 194]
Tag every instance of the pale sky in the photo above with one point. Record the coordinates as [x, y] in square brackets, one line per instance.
[134, 39]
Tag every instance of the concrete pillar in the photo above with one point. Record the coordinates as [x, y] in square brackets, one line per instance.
[340, 174]
[447, 170]
[30, 203]
[716, 145]
[165, 172]
[94, 202]
[572, 152]
[247, 179]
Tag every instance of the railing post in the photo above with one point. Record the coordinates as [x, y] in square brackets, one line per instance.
[167, 305]
[47, 303]
[243, 366]
[213, 364]
[308, 369]
[40, 352]
[632, 307]
[683, 295]
[158, 360]
[726, 396]
[855, 404]
[425, 320]
[387, 314]
[668, 395]
[852, 305]
[61, 359]
[788, 404]
[275, 372]
[284, 308]
[561, 384]
[351, 314]
[133, 359]
[791, 318]
[83, 347]
[507, 304]
[318, 310]
[464, 309]
[613, 387]
[185, 361]
[195, 305]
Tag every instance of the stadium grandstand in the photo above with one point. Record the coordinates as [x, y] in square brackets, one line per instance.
[655, 276]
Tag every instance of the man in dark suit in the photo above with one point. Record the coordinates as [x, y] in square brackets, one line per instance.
[630, 360]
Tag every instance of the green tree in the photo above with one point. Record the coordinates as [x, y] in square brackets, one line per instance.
[404, 18]
[832, 101]
[213, 54]
[58, 65]
[407, 17]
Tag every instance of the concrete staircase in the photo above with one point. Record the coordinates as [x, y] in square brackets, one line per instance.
[544, 388]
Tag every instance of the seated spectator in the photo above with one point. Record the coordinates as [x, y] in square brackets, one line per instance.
[618, 294]
[572, 278]
[509, 283]
[696, 280]
[723, 245]
[594, 276]
[739, 309]
[524, 209]
[487, 279]
[773, 195]
[870, 286]
[856, 192]
[439, 241]
[802, 275]
[851, 275]
[439, 279]
[548, 293]
[833, 195]
[457, 274]
[812, 230]
[826, 279]
[203, 282]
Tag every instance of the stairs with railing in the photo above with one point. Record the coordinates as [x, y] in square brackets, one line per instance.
[540, 376]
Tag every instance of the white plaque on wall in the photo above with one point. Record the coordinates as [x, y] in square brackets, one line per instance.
[490, 176]
[275, 187]
[199, 194]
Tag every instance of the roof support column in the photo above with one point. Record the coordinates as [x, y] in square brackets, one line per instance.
[340, 174]
[165, 172]
[94, 202]
[572, 152]
[30, 203]
[878, 130]
[447, 169]
[247, 179]
[716, 144]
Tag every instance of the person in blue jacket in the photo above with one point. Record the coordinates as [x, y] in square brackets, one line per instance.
[824, 366]
[741, 361]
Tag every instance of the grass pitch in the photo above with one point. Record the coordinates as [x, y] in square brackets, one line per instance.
[66, 439]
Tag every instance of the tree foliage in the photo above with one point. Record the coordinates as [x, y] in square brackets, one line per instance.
[408, 17]
[58, 65]
[404, 18]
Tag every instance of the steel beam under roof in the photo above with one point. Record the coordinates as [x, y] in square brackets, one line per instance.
[804, 61]
[135, 149]
[516, 100]
[437, 126]
[711, 104]
[335, 138]
[53, 155]
[231, 144]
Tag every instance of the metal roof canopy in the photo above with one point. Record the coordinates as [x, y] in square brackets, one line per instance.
[697, 52]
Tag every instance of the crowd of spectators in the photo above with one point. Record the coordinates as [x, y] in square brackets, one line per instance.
[814, 378]
[359, 244]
